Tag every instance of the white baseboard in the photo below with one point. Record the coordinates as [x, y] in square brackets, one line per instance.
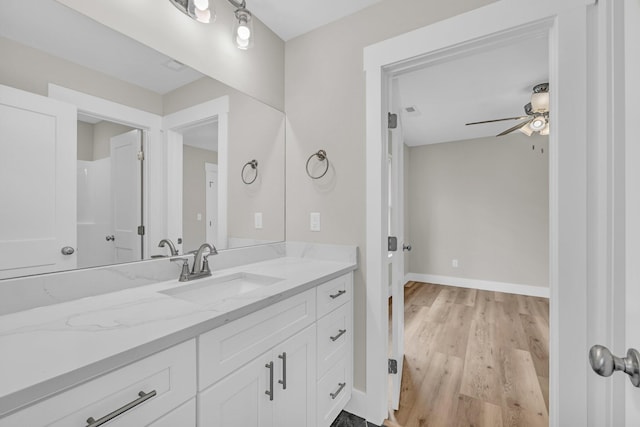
[485, 285]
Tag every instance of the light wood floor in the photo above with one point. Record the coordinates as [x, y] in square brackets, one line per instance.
[473, 359]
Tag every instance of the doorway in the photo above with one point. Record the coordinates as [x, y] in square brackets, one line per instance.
[110, 188]
[568, 218]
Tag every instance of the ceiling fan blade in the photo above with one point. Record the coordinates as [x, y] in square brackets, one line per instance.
[515, 128]
[498, 120]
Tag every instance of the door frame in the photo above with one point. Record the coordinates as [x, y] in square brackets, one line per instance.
[566, 23]
[150, 124]
[217, 109]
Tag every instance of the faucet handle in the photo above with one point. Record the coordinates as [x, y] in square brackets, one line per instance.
[184, 273]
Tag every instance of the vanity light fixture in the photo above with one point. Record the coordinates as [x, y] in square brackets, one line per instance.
[203, 11]
[243, 30]
[200, 10]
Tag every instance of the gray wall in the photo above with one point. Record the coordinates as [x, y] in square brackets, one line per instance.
[32, 70]
[194, 201]
[484, 202]
[325, 106]
[94, 140]
[85, 141]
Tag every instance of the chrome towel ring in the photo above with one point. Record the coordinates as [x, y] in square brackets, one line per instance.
[254, 165]
[322, 157]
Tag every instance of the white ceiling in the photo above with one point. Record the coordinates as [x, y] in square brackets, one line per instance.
[291, 18]
[203, 135]
[488, 85]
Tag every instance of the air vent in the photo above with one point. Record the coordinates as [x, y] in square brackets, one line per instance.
[411, 110]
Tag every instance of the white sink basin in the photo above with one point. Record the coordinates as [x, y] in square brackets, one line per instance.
[207, 291]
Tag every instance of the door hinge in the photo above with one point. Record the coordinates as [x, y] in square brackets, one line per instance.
[393, 366]
[140, 155]
[141, 230]
[392, 121]
[392, 243]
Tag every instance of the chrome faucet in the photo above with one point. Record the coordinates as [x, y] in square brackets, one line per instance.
[200, 266]
[172, 247]
[200, 262]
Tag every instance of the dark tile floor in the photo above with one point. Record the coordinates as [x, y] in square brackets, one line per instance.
[345, 419]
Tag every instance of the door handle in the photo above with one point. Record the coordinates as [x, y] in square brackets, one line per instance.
[605, 364]
[110, 238]
[67, 250]
[406, 248]
[283, 381]
[269, 392]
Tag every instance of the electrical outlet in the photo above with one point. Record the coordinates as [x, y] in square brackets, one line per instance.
[258, 220]
[454, 263]
[314, 221]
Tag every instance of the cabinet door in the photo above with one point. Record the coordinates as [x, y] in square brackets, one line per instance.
[183, 416]
[294, 406]
[240, 400]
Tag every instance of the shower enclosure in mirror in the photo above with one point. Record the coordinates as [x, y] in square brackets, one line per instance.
[108, 147]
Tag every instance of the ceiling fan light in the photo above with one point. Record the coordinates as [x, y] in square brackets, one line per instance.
[545, 130]
[526, 130]
[540, 102]
[537, 124]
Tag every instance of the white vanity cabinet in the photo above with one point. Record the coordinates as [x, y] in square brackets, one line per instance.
[149, 389]
[267, 362]
[304, 343]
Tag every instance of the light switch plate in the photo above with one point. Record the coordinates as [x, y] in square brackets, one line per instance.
[314, 221]
[258, 220]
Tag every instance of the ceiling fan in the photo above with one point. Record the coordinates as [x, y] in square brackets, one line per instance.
[537, 114]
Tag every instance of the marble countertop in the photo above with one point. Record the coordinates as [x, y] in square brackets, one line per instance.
[47, 349]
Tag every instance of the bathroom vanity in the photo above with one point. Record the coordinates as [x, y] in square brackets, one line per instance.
[265, 343]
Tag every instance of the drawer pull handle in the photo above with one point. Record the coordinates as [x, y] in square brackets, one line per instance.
[91, 422]
[341, 332]
[283, 381]
[334, 395]
[334, 296]
[269, 392]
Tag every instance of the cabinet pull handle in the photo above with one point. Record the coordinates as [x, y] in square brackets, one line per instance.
[283, 381]
[341, 332]
[269, 392]
[334, 296]
[334, 395]
[91, 422]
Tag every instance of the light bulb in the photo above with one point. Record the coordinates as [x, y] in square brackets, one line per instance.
[203, 15]
[537, 124]
[201, 4]
[244, 32]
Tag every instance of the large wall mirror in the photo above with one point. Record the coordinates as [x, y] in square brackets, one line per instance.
[108, 148]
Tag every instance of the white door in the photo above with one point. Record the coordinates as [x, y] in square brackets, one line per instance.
[396, 258]
[294, 397]
[38, 190]
[211, 186]
[126, 195]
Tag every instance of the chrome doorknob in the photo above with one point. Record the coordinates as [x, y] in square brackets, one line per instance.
[67, 250]
[605, 364]
[406, 248]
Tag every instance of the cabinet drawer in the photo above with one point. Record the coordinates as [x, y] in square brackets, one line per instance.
[333, 343]
[334, 293]
[228, 347]
[334, 391]
[167, 379]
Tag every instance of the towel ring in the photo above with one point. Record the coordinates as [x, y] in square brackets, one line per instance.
[322, 156]
[254, 166]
